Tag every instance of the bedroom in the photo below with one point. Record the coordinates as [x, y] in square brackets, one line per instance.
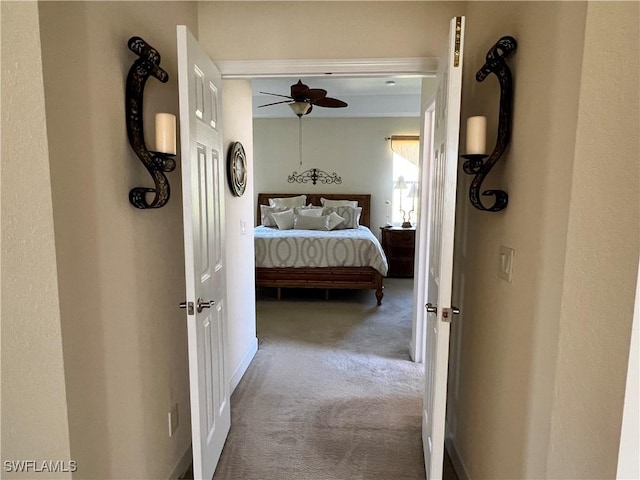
[349, 146]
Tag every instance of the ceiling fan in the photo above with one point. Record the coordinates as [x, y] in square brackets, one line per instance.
[303, 98]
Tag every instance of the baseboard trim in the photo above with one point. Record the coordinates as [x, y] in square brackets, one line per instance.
[244, 364]
[412, 348]
[458, 464]
[183, 464]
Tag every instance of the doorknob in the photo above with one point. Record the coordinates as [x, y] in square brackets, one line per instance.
[431, 308]
[455, 310]
[202, 305]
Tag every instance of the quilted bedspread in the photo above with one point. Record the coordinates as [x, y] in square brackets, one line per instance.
[354, 247]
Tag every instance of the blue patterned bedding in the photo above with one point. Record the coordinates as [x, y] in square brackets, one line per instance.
[354, 247]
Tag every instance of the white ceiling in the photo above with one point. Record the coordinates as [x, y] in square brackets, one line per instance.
[365, 96]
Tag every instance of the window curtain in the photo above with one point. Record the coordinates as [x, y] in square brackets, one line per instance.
[407, 146]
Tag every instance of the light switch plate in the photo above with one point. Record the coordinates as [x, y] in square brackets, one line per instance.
[505, 263]
[243, 227]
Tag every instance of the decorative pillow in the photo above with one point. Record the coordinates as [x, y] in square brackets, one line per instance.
[309, 212]
[311, 223]
[266, 215]
[351, 216]
[284, 220]
[297, 210]
[334, 220]
[338, 203]
[288, 202]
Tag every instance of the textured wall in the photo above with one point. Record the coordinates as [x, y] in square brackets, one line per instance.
[121, 270]
[504, 345]
[537, 379]
[317, 30]
[34, 406]
[602, 250]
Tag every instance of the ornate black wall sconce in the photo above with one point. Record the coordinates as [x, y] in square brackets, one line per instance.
[314, 175]
[157, 163]
[480, 164]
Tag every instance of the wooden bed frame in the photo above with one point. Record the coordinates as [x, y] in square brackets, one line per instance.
[361, 278]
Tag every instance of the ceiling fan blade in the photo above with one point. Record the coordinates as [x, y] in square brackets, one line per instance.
[316, 93]
[329, 102]
[277, 95]
[275, 103]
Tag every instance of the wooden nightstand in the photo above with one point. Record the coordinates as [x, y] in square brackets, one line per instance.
[399, 247]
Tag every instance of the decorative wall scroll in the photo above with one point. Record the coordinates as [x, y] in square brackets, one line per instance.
[314, 175]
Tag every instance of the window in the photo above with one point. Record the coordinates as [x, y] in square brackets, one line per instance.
[404, 206]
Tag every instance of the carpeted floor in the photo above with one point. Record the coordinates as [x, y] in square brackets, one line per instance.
[331, 393]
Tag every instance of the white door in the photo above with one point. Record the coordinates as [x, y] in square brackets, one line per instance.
[442, 205]
[199, 84]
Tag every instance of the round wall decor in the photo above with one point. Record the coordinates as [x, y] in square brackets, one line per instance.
[237, 169]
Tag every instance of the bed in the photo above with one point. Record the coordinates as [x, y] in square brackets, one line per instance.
[314, 276]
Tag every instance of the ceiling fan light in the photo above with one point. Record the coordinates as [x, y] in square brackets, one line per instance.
[300, 108]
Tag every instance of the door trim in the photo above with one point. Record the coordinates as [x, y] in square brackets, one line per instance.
[422, 66]
[418, 344]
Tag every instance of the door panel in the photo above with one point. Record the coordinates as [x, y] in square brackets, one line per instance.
[441, 218]
[203, 208]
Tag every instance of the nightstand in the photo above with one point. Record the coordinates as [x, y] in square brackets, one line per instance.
[399, 247]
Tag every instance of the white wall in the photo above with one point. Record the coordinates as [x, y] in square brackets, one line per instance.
[241, 322]
[121, 270]
[354, 148]
[34, 403]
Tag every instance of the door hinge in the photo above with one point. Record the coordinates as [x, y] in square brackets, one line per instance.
[456, 51]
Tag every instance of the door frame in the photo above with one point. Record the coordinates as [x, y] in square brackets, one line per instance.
[366, 67]
[369, 67]
[418, 343]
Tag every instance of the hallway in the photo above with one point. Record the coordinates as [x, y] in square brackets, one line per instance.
[331, 393]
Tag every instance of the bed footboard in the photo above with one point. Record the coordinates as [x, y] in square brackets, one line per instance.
[360, 278]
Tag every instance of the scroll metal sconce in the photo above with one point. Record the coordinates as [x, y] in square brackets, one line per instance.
[478, 163]
[162, 160]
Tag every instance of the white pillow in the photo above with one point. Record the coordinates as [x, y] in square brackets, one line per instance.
[334, 220]
[351, 216]
[311, 223]
[288, 202]
[266, 215]
[338, 203]
[310, 212]
[284, 220]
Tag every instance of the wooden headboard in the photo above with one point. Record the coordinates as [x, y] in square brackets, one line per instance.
[364, 201]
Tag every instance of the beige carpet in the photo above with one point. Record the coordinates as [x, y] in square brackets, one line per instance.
[331, 393]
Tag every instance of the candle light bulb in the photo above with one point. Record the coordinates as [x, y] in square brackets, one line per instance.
[166, 133]
[476, 135]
